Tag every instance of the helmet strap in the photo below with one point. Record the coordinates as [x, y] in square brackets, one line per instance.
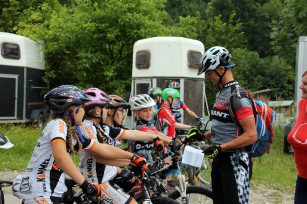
[170, 103]
[72, 118]
[220, 78]
[113, 117]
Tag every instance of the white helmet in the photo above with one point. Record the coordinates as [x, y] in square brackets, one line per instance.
[174, 85]
[5, 142]
[141, 101]
[214, 57]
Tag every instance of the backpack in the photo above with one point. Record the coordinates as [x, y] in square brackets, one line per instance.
[156, 121]
[264, 116]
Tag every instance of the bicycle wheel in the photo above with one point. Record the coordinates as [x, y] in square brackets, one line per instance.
[163, 200]
[157, 200]
[200, 176]
[195, 194]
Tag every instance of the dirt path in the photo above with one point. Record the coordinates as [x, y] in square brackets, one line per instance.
[259, 194]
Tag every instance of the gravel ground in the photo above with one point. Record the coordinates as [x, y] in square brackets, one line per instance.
[259, 194]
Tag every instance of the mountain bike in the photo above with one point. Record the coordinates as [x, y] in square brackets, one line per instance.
[151, 191]
[197, 175]
[183, 193]
[4, 183]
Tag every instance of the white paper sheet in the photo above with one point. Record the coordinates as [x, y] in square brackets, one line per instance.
[192, 156]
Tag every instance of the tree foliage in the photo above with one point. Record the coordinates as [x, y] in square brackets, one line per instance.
[90, 42]
[287, 29]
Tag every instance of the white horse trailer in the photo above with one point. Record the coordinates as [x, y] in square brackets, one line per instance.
[21, 70]
[159, 60]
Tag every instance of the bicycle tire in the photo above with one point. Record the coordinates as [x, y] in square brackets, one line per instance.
[157, 200]
[195, 194]
[163, 200]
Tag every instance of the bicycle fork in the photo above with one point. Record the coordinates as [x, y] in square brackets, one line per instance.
[182, 189]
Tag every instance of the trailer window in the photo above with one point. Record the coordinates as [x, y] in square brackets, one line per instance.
[10, 51]
[194, 58]
[142, 60]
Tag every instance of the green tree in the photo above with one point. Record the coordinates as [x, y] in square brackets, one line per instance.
[90, 43]
[287, 29]
[12, 12]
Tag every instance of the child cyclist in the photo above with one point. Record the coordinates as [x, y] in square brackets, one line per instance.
[96, 111]
[117, 112]
[166, 119]
[142, 107]
[44, 179]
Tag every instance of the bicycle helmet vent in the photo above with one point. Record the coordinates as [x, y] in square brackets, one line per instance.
[174, 85]
[170, 92]
[62, 97]
[97, 98]
[141, 101]
[214, 57]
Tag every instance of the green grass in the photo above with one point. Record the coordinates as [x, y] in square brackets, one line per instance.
[276, 169]
[24, 138]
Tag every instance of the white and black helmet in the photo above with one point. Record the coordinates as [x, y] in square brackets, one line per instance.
[141, 101]
[174, 85]
[214, 57]
[5, 142]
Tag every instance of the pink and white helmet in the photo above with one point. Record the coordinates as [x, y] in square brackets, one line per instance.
[97, 97]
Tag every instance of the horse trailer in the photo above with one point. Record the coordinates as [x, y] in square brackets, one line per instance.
[21, 80]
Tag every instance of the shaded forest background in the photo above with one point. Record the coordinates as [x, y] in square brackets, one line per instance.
[89, 43]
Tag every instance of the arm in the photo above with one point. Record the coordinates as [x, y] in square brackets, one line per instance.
[191, 113]
[63, 159]
[106, 152]
[114, 162]
[248, 137]
[182, 126]
[137, 135]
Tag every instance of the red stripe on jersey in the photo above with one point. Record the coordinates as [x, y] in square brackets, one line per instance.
[244, 112]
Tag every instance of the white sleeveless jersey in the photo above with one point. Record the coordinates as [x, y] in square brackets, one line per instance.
[91, 170]
[45, 176]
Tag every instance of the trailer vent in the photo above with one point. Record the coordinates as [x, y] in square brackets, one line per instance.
[142, 60]
[10, 51]
[194, 58]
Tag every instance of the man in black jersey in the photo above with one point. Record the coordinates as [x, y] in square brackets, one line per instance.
[230, 159]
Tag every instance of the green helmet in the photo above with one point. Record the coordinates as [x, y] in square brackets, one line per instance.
[154, 92]
[170, 92]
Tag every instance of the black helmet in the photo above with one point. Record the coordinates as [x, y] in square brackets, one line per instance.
[5, 142]
[62, 97]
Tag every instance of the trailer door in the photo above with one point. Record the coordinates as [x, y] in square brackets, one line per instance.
[8, 89]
